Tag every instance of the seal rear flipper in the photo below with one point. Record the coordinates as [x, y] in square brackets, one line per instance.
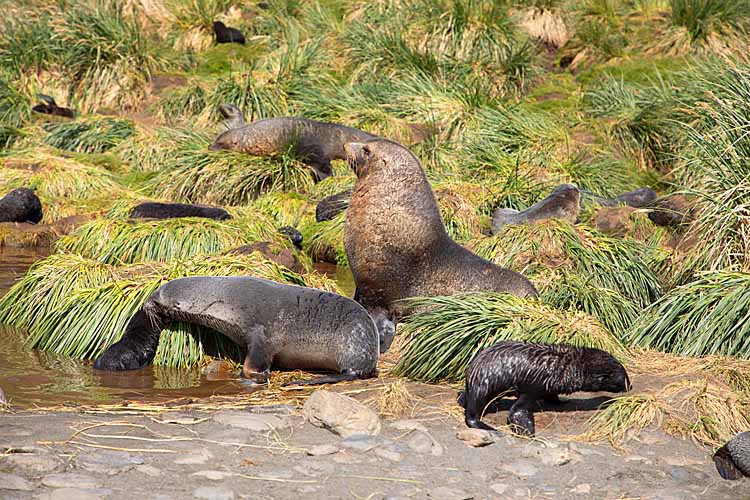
[344, 376]
[137, 347]
[725, 465]
[474, 422]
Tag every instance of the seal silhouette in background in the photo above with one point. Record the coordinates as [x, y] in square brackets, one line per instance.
[21, 205]
[225, 34]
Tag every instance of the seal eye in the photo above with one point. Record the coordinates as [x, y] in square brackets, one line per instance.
[366, 151]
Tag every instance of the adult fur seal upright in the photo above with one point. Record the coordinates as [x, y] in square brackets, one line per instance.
[535, 371]
[21, 205]
[315, 143]
[396, 242]
[733, 459]
[282, 325]
[156, 210]
[564, 202]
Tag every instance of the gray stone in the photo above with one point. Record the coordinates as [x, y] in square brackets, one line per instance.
[71, 480]
[408, 425]
[213, 475]
[448, 493]
[13, 482]
[341, 414]
[77, 494]
[149, 470]
[213, 493]
[521, 468]
[549, 454]
[389, 454]
[475, 437]
[273, 410]
[361, 442]
[680, 474]
[108, 462]
[14, 431]
[31, 464]
[423, 443]
[499, 488]
[322, 449]
[251, 422]
[197, 457]
[582, 489]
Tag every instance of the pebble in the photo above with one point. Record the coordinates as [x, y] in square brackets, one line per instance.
[341, 414]
[108, 462]
[448, 493]
[251, 422]
[77, 494]
[149, 470]
[13, 482]
[361, 442]
[213, 475]
[549, 454]
[198, 457]
[273, 409]
[389, 454]
[521, 468]
[475, 437]
[31, 464]
[211, 493]
[71, 480]
[409, 425]
[423, 443]
[322, 449]
[583, 489]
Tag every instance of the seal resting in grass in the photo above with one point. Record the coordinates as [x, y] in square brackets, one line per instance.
[564, 202]
[225, 34]
[155, 210]
[535, 371]
[233, 117]
[733, 459]
[284, 326]
[314, 143]
[396, 242]
[637, 198]
[48, 106]
[21, 205]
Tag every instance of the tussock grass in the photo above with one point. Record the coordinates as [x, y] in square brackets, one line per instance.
[324, 241]
[95, 135]
[446, 333]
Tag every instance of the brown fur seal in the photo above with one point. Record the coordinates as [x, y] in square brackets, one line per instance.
[225, 34]
[315, 143]
[273, 252]
[535, 371]
[396, 242]
[48, 106]
[233, 117]
[637, 198]
[733, 459]
[21, 205]
[564, 202]
[286, 326]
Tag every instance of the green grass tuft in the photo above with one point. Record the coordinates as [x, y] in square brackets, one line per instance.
[88, 136]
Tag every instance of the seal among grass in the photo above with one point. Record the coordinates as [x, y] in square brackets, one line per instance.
[48, 106]
[733, 459]
[225, 34]
[285, 326]
[156, 210]
[564, 202]
[535, 371]
[21, 205]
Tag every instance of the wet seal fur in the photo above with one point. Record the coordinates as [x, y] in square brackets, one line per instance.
[284, 326]
[535, 371]
[225, 34]
[330, 206]
[732, 460]
[293, 234]
[21, 205]
[564, 202]
[314, 143]
[156, 210]
[396, 242]
[233, 116]
[48, 106]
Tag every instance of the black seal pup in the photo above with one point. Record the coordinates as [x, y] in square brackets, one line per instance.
[535, 371]
[225, 34]
[155, 210]
[233, 116]
[21, 205]
[293, 234]
[330, 206]
[564, 202]
[733, 459]
[396, 242]
[48, 106]
[315, 143]
[282, 325]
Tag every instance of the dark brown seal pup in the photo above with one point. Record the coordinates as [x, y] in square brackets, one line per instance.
[155, 210]
[733, 459]
[21, 205]
[330, 206]
[286, 326]
[396, 242]
[225, 34]
[315, 143]
[233, 117]
[50, 107]
[535, 371]
[564, 202]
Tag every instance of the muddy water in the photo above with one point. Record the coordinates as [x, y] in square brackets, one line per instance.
[32, 378]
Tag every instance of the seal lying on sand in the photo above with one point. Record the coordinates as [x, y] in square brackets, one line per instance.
[21, 205]
[396, 242]
[733, 459]
[233, 117]
[535, 371]
[225, 34]
[155, 210]
[315, 143]
[330, 206]
[285, 326]
[564, 202]
[50, 107]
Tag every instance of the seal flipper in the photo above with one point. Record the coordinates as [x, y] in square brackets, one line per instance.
[257, 366]
[521, 416]
[725, 465]
[137, 347]
[344, 376]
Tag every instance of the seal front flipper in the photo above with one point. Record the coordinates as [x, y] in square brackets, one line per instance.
[344, 376]
[521, 416]
[725, 465]
[257, 365]
[137, 347]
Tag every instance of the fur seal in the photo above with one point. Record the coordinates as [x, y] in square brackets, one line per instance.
[233, 116]
[50, 107]
[225, 34]
[155, 210]
[564, 202]
[294, 236]
[285, 326]
[396, 242]
[535, 371]
[315, 143]
[330, 206]
[733, 459]
[21, 205]
[637, 198]
[279, 254]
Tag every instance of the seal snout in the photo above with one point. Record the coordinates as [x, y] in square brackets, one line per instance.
[216, 147]
[354, 153]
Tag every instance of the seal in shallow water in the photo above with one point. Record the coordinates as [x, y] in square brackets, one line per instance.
[282, 325]
[564, 202]
[155, 210]
[396, 242]
[315, 143]
[21, 205]
[733, 459]
[535, 371]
